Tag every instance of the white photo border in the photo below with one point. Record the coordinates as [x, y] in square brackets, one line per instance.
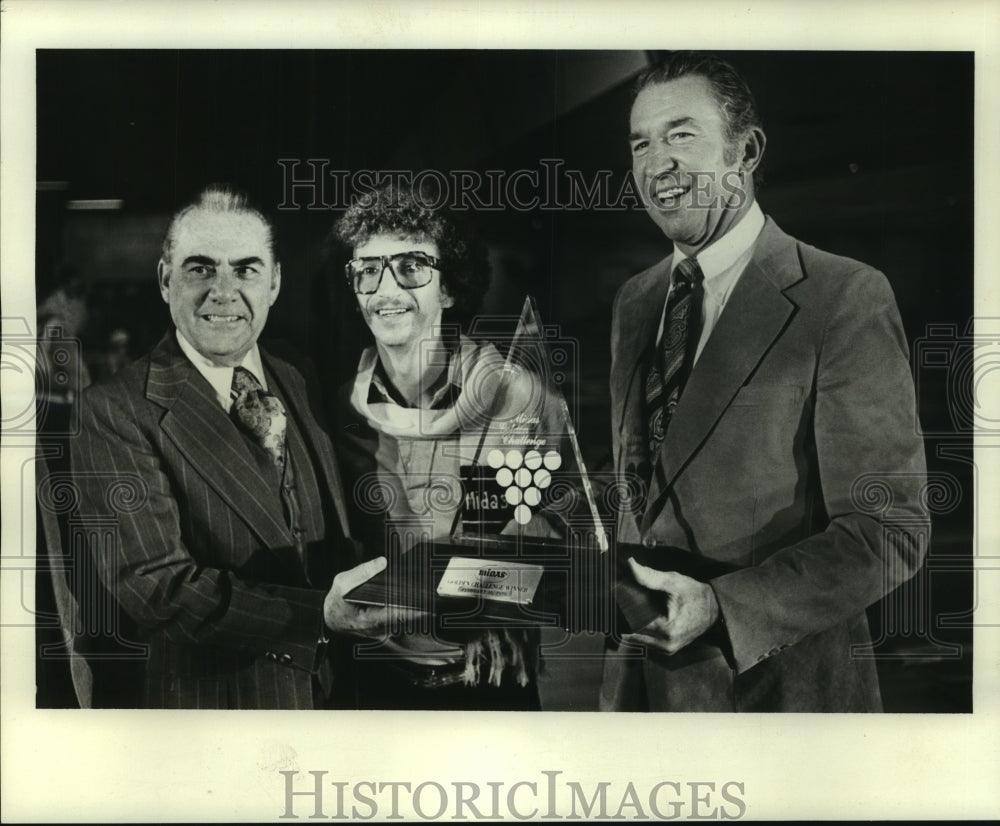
[111, 766]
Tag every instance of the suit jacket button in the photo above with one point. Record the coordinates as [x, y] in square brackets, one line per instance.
[271, 655]
[649, 542]
[285, 659]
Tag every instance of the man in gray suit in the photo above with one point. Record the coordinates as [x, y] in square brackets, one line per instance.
[226, 561]
[760, 392]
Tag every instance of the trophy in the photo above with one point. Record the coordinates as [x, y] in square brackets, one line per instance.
[527, 546]
[527, 462]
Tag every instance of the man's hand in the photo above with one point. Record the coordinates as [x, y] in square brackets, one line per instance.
[691, 610]
[342, 617]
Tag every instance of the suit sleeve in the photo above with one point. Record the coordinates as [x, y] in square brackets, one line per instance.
[871, 469]
[151, 570]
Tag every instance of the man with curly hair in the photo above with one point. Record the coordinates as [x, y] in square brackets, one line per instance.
[414, 415]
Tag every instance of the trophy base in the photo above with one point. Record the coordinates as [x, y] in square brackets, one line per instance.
[576, 588]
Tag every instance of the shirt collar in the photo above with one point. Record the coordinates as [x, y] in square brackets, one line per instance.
[720, 255]
[448, 389]
[221, 378]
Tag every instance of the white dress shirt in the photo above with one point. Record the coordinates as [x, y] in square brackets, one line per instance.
[722, 264]
[221, 378]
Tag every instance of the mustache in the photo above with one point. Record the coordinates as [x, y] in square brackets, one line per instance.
[388, 304]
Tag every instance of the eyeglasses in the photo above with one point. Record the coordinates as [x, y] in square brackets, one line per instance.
[410, 269]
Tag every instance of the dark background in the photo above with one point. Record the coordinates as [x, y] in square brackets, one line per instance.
[869, 155]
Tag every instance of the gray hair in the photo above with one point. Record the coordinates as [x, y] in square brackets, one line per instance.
[218, 198]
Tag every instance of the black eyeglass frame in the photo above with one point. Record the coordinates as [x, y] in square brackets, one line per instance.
[388, 261]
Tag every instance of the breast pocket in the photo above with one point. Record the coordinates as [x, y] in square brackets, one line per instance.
[773, 396]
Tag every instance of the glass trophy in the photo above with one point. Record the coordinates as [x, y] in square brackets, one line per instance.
[527, 477]
[527, 544]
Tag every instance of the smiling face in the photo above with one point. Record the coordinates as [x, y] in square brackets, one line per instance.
[220, 282]
[397, 317]
[695, 184]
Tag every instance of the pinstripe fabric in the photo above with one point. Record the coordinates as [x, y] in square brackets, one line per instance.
[207, 565]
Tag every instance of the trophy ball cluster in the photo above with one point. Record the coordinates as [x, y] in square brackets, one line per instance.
[523, 476]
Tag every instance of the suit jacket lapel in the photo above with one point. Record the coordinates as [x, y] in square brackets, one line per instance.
[293, 385]
[754, 316]
[200, 429]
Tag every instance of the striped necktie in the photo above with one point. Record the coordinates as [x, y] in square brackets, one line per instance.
[673, 359]
[260, 414]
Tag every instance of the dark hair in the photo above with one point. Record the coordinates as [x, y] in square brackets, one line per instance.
[732, 95]
[217, 198]
[392, 210]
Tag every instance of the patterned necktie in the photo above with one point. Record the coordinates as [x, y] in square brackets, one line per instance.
[672, 362]
[260, 414]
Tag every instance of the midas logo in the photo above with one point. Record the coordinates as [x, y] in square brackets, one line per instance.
[493, 573]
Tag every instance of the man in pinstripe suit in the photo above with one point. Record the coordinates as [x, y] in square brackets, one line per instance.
[227, 564]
